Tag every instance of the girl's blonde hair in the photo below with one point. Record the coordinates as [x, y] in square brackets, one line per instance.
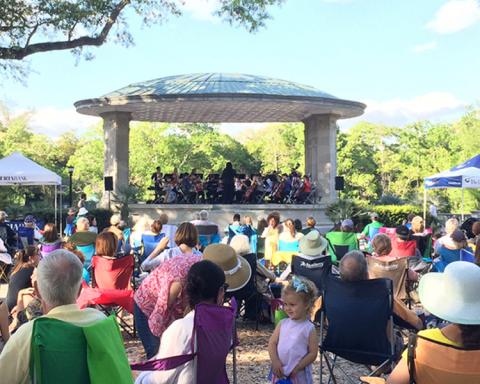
[303, 287]
[417, 224]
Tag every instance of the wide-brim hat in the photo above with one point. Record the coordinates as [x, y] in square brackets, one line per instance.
[236, 268]
[312, 244]
[454, 294]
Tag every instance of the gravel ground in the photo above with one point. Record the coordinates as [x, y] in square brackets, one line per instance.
[253, 362]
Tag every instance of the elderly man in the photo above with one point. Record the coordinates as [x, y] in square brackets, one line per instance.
[203, 220]
[354, 267]
[59, 278]
[83, 236]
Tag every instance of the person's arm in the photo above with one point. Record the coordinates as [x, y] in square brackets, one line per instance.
[311, 356]
[4, 331]
[285, 273]
[15, 370]
[272, 351]
[400, 373]
[155, 258]
[174, 294]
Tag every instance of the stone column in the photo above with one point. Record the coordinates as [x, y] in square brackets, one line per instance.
[321, 154]
[116, 130]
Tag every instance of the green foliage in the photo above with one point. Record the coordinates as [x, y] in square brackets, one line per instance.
[279, 147]
[126, 195]
[344, 209]
[29, 27]
[394, 215]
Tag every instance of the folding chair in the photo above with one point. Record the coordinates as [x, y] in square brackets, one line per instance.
[88, 252]
[446, 256]
[285, 252]
[360, 318]
[208, 234]
[403, 248]
[430, 361]
[316, 270]
[466, 255]
[249, 292]
[109, 275]
[394, 269]
[213, 336]
[339, 243]
[149, 243]
[424, 245]
[92, 354]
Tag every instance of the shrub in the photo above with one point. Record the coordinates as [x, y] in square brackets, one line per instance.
[343, 209]
[393, 215]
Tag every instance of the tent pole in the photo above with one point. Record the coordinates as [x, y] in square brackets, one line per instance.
[61, 206]
[56, 205]
[425, 205]
[462, 204]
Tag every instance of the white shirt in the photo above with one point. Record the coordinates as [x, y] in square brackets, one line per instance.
[176, 340]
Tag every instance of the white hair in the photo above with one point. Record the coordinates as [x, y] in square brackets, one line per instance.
[451, 225]
[240, 244]
[203, 215]
[59, 276]
[82, 222]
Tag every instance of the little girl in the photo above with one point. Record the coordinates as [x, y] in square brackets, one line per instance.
[293, 346]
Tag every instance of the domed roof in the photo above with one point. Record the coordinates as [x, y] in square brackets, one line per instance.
[218, 84]
[219, 97]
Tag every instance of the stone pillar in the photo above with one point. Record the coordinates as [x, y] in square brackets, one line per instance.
[116, 130]
[321, 154]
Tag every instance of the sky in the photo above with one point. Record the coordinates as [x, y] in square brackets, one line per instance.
[406, 60]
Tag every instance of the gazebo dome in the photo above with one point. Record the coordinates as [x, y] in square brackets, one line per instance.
[219, 97]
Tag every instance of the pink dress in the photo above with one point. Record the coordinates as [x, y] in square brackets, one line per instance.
[152, 295]
[292, 347]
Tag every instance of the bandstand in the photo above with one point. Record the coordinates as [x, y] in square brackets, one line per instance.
[225, 98]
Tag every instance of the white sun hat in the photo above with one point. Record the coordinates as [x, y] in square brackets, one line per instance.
[453, 295]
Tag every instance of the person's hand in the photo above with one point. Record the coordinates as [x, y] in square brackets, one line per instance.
[164, 242]
[277, 369]
[295, 371]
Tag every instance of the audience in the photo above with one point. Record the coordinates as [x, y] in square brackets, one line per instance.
[450, 226]
[186, 239]
[50, 240]
[310, 225]
[83, 236]
[205, 283]
[271, 234]
[160, 299]
[26, 261]
[59, 279]
[453, 297]
[106, 245]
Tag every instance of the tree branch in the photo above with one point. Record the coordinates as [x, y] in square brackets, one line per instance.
[19, 53]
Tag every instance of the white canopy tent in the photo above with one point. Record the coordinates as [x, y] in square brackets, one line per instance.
[17, 169]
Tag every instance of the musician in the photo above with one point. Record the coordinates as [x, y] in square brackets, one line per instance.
[227, 177]
[157, 184]
[239, 190]
[211, 189]
[304, 190]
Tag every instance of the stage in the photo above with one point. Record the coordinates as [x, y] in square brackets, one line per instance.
[222, 214]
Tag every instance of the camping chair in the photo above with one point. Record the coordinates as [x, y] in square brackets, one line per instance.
[88, 252]
[339, 243]
[395, 269]
[62, 352]
[403, 248]
[46, 249]
[149, 243]
[430, 361]
[466, 255]
[424, 245]
[446, 256]
[208, 234]
[315, 270]
[212, 336]
[112, 273]
[248, 294]
[360, 318]
[285, 252]
[109, 275]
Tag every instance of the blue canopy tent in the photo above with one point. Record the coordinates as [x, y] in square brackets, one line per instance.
[465, 175]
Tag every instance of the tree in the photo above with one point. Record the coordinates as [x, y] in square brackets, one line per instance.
[33, 26]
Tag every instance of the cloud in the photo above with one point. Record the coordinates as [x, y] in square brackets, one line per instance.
[425, 47]
[201, 9]
[53, 121]
[454, 16]
[433, 106]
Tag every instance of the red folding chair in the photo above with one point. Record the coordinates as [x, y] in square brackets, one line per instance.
[112, 273]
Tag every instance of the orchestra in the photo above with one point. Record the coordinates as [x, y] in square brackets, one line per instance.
[194, 188]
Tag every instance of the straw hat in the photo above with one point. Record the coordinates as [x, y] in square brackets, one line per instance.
[453, 294]
[312, 244]
[236, 268]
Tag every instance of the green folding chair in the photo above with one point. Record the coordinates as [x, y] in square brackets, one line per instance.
[62, 352]
[339, 243]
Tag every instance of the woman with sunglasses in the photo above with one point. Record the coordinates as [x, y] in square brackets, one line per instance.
[205, 284]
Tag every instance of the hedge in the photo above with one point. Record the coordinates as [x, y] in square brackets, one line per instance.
[393, 215]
